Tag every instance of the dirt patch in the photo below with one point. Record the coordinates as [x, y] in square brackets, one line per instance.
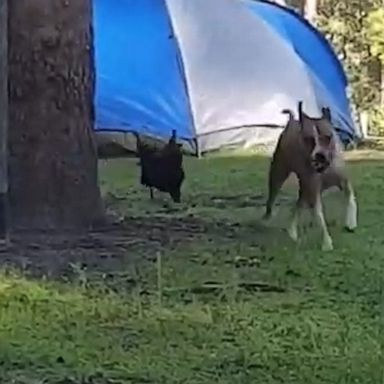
[109, 249]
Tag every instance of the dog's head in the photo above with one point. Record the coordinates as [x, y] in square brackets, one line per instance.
[318, 138]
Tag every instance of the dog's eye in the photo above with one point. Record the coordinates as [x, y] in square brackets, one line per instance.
[309, 141]
[326, 139]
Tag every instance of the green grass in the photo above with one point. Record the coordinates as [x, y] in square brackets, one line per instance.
[220, 298]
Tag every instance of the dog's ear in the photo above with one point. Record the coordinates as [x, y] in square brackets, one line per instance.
[300, 109]
[305, 122]
[326, 112]
[301, 113]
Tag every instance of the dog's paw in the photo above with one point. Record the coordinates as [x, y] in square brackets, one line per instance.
[351, 215]
[293, 233]
[327, 244]
[351, 222]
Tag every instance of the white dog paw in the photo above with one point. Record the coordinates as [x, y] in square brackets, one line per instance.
[327, 244]
[292, 232]
[351, 215]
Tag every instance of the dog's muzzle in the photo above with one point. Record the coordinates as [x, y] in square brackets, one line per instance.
[320, 163]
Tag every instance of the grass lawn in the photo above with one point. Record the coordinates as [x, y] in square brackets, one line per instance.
[204, 293]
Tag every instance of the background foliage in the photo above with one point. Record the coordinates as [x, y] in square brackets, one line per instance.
[356, 30]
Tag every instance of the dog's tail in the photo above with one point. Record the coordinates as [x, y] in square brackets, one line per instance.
[289, 113]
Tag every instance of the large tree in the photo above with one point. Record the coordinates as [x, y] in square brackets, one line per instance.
[53, 166]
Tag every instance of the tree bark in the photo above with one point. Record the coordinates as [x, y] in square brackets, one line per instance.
[299, 5]
[382, 86]
[3, 122]
[310, 10]
[53, 179]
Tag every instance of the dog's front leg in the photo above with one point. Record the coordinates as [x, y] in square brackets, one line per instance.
[327, 244]
[293, 230]
[351, 208]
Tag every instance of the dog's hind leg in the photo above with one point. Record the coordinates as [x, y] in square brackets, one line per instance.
[278, 174]
[339, 179]
[310, 189]
[151, 194]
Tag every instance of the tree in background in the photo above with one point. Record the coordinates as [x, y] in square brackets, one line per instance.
[53, 166]
[350, 26]
[355, 28]
[375, 34]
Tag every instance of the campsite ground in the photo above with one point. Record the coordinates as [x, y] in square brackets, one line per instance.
[203, 293]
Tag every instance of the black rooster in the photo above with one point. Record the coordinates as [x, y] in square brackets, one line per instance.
[162, 168]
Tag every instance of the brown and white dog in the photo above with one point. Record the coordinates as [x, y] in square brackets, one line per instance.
[310, 148]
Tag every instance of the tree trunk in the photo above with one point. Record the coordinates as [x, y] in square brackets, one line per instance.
[301, 7]
[310, 10]
[53, 166]
[3, 122]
